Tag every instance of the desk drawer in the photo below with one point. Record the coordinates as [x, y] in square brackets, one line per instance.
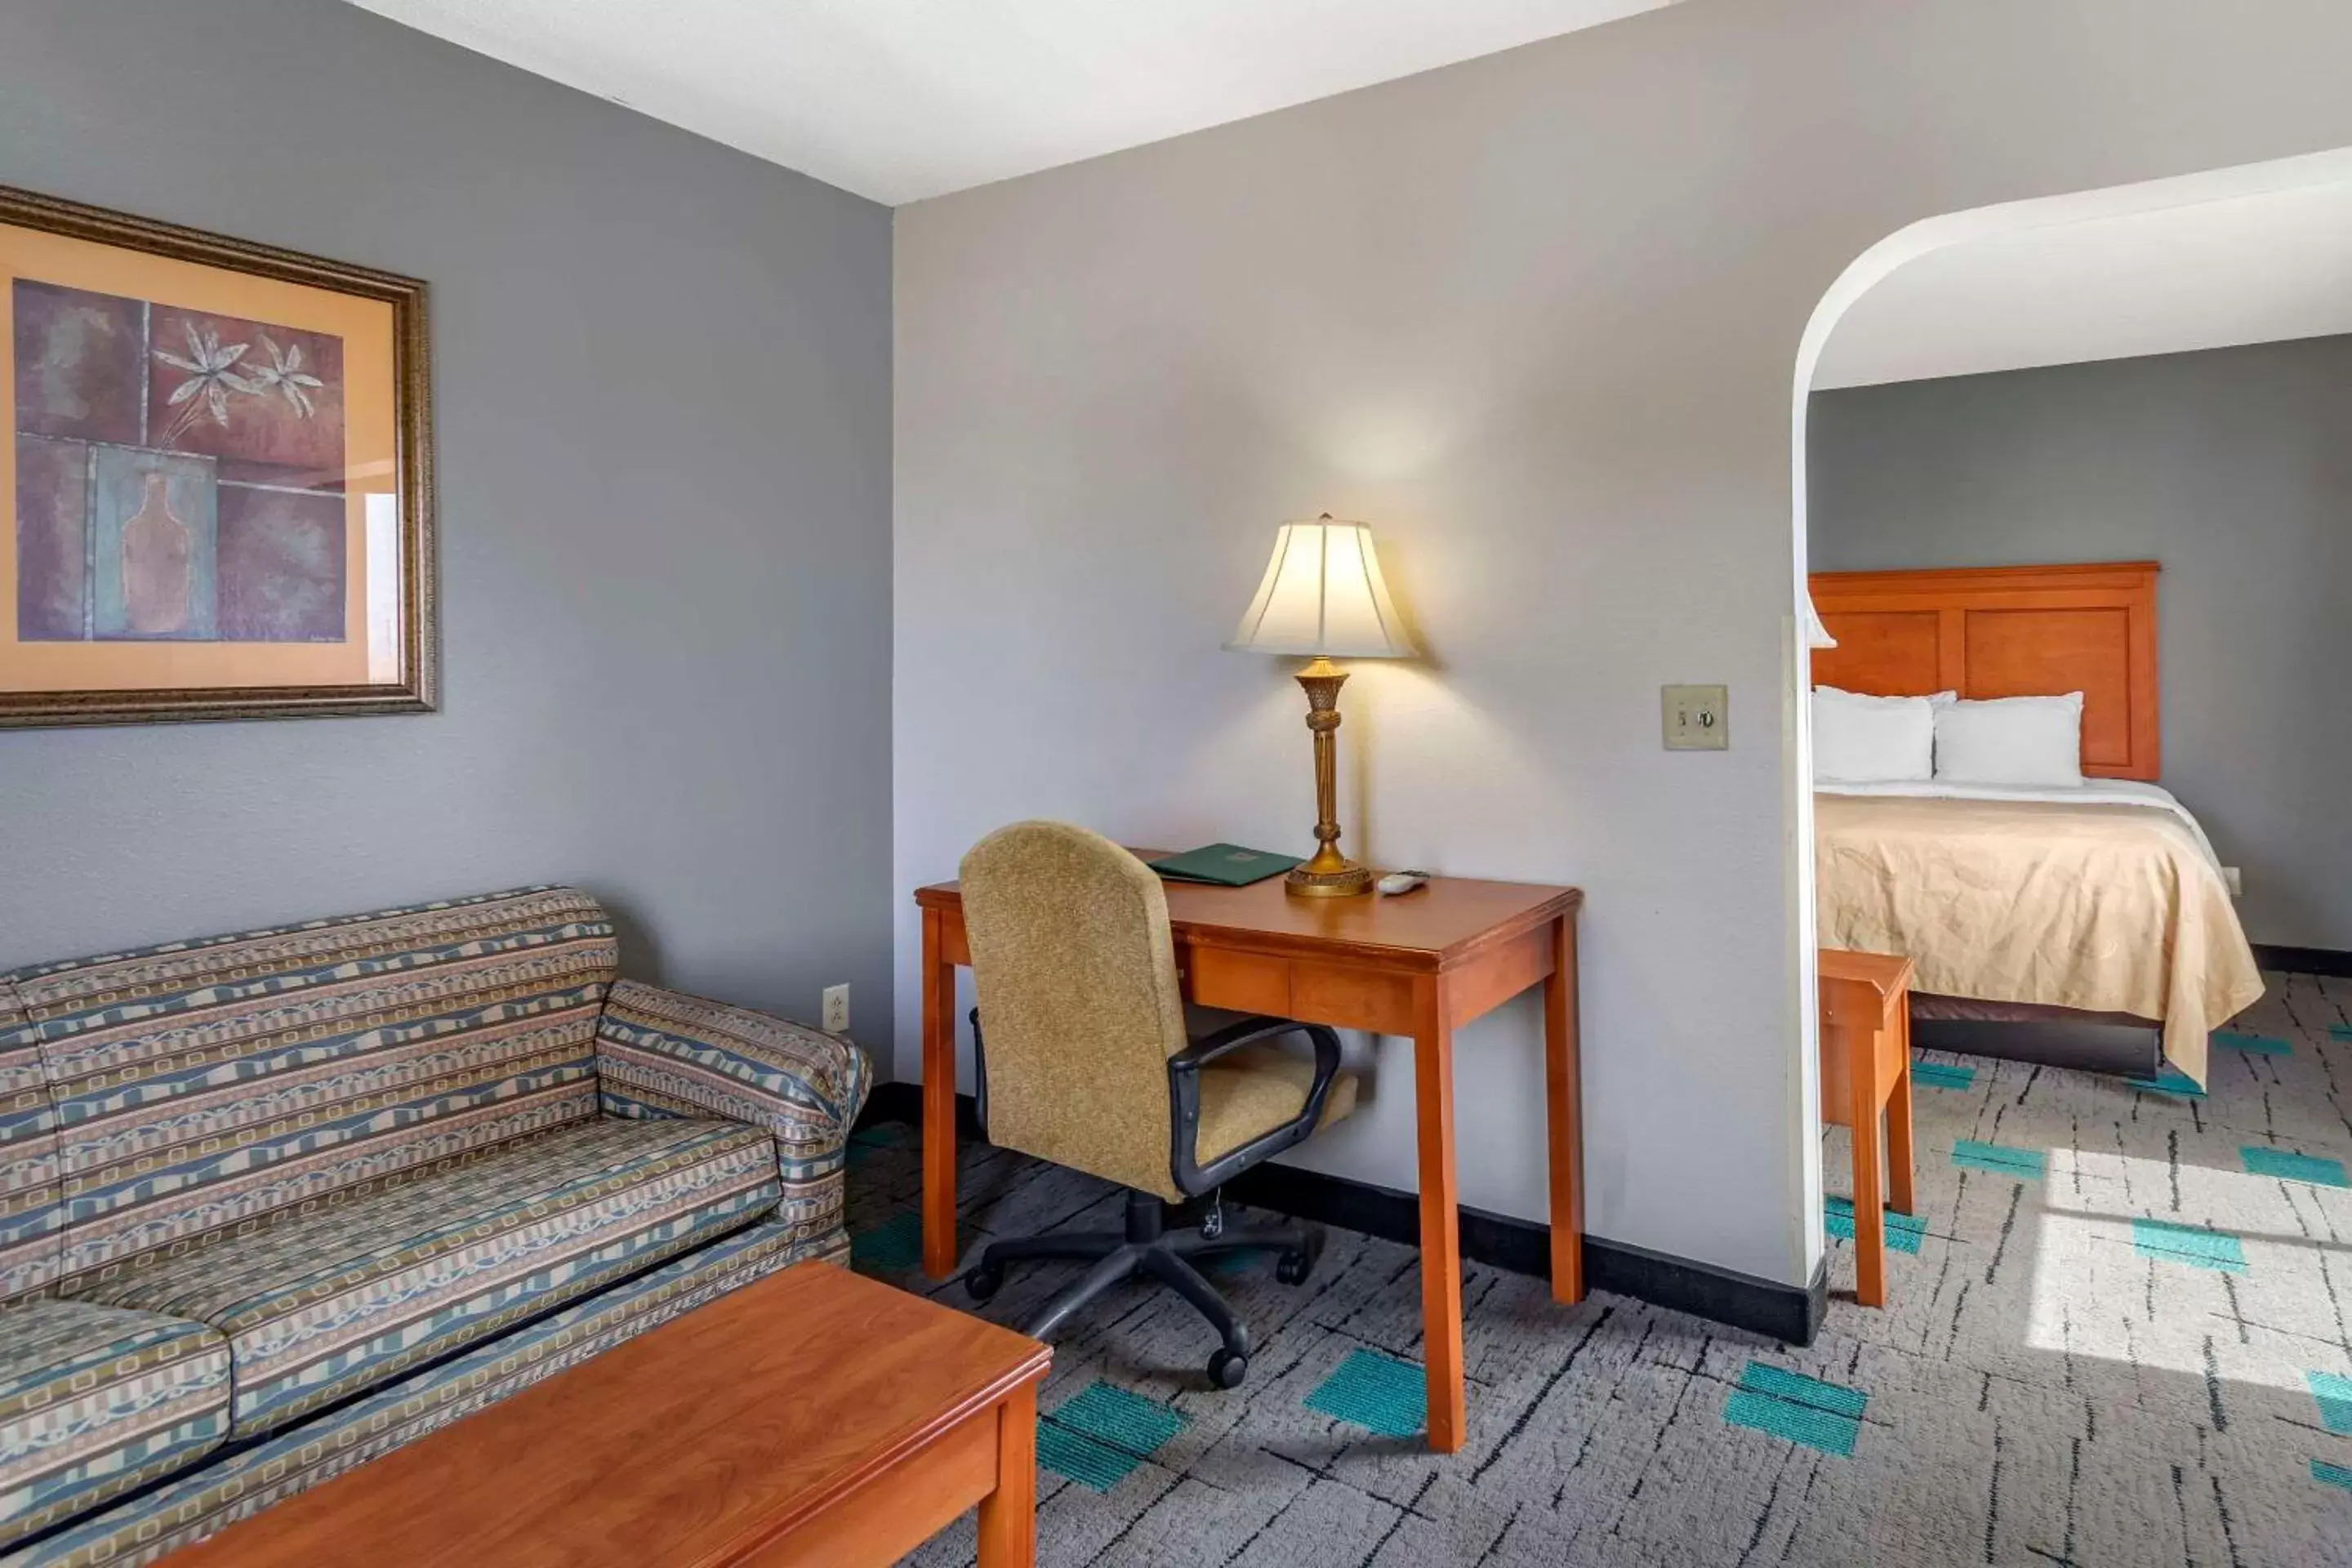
[1348, 998]
[1244, 982]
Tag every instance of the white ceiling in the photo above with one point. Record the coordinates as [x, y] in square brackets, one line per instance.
[2246, 270]
[898, 100]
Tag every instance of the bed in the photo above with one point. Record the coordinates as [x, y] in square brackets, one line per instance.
[2082, 926]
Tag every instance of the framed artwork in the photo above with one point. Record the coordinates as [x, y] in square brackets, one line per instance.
[217, 477]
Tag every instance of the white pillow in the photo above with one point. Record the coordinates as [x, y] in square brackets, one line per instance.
[1872, 739]
[2012, 741]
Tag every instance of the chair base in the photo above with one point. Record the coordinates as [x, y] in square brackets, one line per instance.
[1146, 1248]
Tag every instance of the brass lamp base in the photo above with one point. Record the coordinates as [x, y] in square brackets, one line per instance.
[1328, 874]
[1348, 880]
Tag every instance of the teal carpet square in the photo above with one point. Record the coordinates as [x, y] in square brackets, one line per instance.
[2339, 1031]
[2291, 1167]
[1941, 1075]
[2172, 1081]
[2331, 1475]
[2193, 1245]
[1823, 1416]
[1903, 1231]
[2334, 1395]
[1376, 1392]
[2252, 1045]
[2001, 1159]
[895, 1245]
[1099, 1435]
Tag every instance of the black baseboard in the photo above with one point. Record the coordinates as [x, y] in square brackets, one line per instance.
[2304, 960]
[1789, 1313]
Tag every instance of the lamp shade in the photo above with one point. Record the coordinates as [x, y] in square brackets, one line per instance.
[1816, 635]
[1323, 594]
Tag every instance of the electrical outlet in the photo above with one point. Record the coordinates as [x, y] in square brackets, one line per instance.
[2235, 880]
[1697, 718]
[836, 1008]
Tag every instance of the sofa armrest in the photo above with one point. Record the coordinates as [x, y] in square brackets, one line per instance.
[662, 1053]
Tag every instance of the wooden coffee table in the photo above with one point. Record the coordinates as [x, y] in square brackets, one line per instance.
[811, 1418]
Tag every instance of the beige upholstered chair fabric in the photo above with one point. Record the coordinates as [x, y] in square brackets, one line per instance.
[1080, 1007]
[1256, 1090]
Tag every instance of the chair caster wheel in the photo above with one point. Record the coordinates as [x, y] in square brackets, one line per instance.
[1294, 1265]
[983, 1281]
[1226, 1370]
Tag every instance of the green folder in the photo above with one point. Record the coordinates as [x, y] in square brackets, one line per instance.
[1222, 865]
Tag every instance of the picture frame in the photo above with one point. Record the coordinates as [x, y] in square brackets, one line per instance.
[217, 477]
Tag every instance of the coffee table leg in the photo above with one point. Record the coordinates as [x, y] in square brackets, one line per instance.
[1008, 1516]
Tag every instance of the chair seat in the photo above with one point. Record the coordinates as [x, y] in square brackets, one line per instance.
[1254, 1090]
[341, 1299]
[96, 1400]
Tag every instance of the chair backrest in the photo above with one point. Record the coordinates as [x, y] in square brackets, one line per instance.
[1079, 1009]
[199, 1086]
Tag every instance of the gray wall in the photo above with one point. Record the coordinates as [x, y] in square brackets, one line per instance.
[1536, 318]
[663, 419]
[2233, 468]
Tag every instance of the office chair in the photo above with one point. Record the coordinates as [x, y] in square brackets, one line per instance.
[1085, 1062]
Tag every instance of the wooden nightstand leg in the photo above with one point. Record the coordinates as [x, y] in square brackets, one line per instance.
[1869, 1218]
[1898, 1121]
[1008, 1516]
[1441, 1235]
[1564, 1116]
[938, 1105]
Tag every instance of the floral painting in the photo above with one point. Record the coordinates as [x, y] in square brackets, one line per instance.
[215, 476]
[180, 475]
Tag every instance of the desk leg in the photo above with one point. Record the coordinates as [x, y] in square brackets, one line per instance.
[1564, 1116]
[1898, 1115]
[1861, 1047]
[1008, 1516]
[1441, 1224]
[938, 1105]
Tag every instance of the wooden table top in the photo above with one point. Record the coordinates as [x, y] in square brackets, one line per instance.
[694, 1443]
[1435, 924]
[1885, 972]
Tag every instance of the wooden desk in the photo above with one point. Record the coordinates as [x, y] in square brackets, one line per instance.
[812, 1419]
[1420, 965]
[1866, 1006]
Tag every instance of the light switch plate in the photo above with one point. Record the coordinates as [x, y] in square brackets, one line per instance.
[1698, 718]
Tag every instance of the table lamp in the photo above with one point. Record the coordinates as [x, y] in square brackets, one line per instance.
[1323, 598]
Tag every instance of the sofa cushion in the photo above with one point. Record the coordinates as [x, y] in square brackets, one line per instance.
[246, 1480]
[200, 1084]
[326, 1304]
[96, 1400]
[31, 1216]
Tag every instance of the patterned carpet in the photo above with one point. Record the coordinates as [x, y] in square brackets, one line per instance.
[2116, 1334]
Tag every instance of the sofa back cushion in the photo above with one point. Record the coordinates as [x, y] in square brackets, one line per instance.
[30, 1216]
[203, 1085]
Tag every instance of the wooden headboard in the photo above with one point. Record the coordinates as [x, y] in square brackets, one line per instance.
[2007, 631]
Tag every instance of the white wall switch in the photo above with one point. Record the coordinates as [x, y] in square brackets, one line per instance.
[1697, 718]
[2235, 880]
[836, 1008]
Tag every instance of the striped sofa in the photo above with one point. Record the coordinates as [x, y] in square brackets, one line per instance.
[272, 1205]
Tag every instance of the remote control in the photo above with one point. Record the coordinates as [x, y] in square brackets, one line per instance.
[1397, 882]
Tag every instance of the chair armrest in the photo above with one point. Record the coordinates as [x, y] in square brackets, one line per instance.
[1184, 1101]
[1249, 1031]
[662, 1053]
